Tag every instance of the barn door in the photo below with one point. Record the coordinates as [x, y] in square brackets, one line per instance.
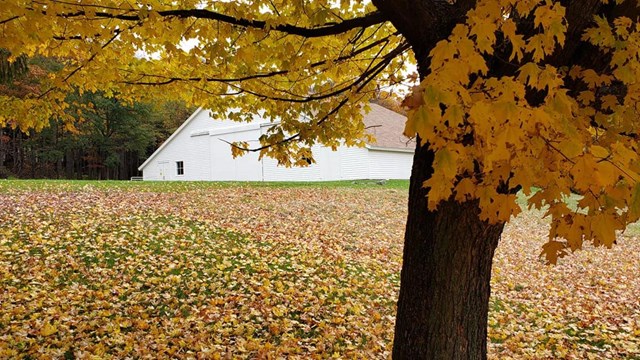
[163, 168]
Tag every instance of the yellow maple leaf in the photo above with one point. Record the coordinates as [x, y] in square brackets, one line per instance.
[553, 250]
[48, 329]
[603, 227]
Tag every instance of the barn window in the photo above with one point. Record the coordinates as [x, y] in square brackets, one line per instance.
[180, 167]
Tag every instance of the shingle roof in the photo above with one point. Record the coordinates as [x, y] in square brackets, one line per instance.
[387, 127]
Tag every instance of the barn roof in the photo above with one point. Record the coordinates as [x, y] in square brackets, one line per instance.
[387, 127]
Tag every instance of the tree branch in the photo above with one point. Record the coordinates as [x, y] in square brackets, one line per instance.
[327, 29]
[93, 56]
[9, 19]
[378, 69]
[386, 59]
[169, 80]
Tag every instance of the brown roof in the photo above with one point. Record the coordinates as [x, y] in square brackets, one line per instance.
[387, 127]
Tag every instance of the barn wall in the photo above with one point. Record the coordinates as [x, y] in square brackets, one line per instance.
[384, 164]
[192, 150]
[343, 164]
[218, 124]
[198, 144]
[224, 167]
[353, 163]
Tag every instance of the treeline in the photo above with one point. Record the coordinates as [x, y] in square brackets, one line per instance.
[108, 139]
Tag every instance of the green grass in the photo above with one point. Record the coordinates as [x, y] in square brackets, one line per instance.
[179, 186]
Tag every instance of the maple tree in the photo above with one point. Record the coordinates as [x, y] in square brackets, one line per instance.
[514, 95]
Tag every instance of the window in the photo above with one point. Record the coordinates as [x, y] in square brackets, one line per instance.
[180, 167]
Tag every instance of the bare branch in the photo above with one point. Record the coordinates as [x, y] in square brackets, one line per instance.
[9, 19]
[327, 29]
[169, 80]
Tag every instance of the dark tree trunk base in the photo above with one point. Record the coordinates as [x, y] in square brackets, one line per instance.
[444, 293]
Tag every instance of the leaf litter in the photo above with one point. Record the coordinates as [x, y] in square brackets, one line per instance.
[278, 272]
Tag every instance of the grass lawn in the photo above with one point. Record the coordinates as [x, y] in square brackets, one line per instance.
[266, 270]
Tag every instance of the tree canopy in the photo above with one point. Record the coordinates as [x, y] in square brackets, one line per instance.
[306, 57]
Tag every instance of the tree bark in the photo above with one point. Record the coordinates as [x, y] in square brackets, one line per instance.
[444, 288]
[444, 285]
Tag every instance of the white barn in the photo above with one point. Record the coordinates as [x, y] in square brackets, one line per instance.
[195, 152]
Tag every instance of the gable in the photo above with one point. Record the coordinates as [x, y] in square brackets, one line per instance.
[200, 123]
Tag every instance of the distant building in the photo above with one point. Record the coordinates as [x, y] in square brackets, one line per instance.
[195, 152]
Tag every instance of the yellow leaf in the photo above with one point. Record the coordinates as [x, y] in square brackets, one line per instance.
[454, 115]
[48, 330]
[440, 188]
[603, 228]
[528, 74]
[582, 171]
[599, 152]
[446, 162]
[634, 206]
[443, 51]
[465, 190]
[553, 250]
[496, 207]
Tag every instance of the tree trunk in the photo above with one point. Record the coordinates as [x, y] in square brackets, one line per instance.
[444, 288]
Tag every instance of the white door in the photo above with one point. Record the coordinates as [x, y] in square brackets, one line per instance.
[163, 166]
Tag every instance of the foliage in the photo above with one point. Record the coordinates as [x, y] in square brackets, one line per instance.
[562, 127]
[390, 101]
[233, 49]
[107, 137]
[24, 81]
[111, 126]
[117, 269]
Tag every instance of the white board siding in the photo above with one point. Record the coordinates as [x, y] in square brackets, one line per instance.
[343, 164]
[224, 167]
[193, 151]
[197, 165]
[385, 164]
[204, 121]
[353, 163]
[318, 171]
[197, 143]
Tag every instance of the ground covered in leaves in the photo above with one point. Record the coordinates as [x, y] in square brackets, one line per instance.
[214, 271]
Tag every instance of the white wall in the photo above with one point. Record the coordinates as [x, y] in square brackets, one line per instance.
[198, 144]
[224, 167]
[386, 164]
[353, 163]
[343, 164]
[193, 151]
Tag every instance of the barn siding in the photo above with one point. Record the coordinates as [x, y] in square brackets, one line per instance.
[353, 163]
[388, 164]
[191, 150]
[319, 171]
[346, 163]
[224, 167]
[198, 144]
